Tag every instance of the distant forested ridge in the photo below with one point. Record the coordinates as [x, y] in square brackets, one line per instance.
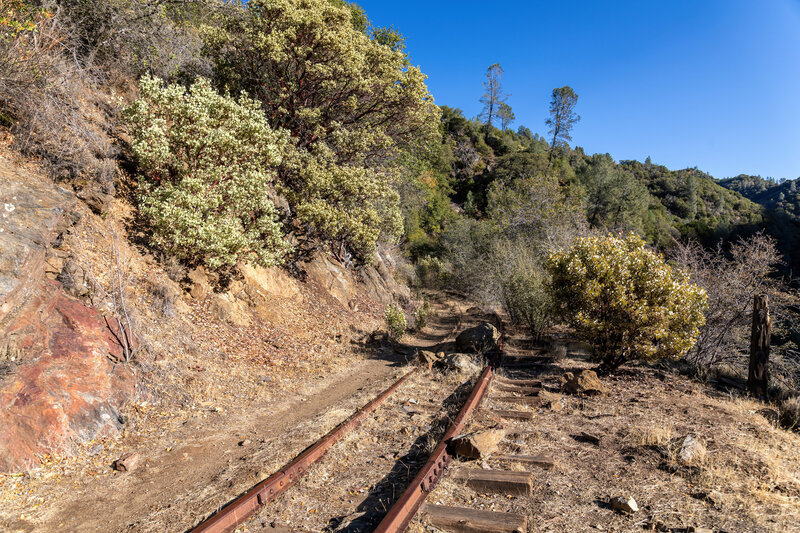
[475, 159]
[780, 201]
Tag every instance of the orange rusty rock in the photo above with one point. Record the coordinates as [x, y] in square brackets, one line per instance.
[127, 462]
[66, 389]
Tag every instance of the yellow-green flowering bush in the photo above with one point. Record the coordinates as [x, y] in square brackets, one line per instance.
[348, 206]
[625, 299]
[395, 321]
[205, 163]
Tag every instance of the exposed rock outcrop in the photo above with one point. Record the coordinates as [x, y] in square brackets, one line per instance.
[32, 213]
[60, 385]
[66, 388]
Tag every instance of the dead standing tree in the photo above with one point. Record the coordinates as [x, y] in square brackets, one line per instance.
[494, 97]
[758, 375]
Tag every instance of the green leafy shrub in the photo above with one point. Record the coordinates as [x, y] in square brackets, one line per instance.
[432, 272]
[526, 299]
[348, 206]
[395, 321]
[205, 164]
[624, 299]
[421, 315]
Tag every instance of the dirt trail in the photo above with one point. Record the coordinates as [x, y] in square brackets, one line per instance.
[196, 464]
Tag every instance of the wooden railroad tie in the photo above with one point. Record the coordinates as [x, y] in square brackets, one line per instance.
[502, 387]
[520, 382]
[502, 413]
[527, 400]
[465, 520]
[496, 480]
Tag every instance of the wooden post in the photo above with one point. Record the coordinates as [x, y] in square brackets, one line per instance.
[758, 375]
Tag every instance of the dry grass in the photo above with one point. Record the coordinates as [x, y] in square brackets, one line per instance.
[653, 435]
[790, 413]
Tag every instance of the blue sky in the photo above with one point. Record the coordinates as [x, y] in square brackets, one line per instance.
[707, 83]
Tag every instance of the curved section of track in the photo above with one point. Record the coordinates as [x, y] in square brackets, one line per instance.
[243, 507]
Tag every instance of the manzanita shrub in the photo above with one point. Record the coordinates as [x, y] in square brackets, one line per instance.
[205, 164]
[625, 300]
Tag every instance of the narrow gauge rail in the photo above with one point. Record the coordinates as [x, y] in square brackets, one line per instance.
[404, 509]
[243, 507]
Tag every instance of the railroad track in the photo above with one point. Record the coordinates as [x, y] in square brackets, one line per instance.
[405, 507]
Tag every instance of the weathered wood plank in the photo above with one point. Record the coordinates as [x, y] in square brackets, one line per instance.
[538, 460]
[502, 413]
[466, 520]
[527, 400]
[519, 382]
[496, 480]
[503, 387]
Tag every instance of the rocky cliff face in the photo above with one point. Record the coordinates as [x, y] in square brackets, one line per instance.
[58, 384]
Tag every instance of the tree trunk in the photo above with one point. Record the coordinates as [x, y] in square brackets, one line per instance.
[758, 375]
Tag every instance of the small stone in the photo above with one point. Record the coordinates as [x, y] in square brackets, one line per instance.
[551, 400]
[692, 450]
[624, 505]
[588, 437]
[426, 358]
[127, 463]
[245, 442]
[584, 382]
[461, 362]
[94, 450]
[478, 444]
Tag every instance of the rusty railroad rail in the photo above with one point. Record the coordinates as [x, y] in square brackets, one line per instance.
[246, 505]
[406, 507]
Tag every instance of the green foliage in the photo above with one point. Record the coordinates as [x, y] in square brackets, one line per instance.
[323, 79]
[346, 205]
[494, 97]
[615, 199]
[421, 316]
[348, 98]
[523, 287]
[626, 300]
[205, 164]
[695, 205]
[506, 116]
[19, 20]
[395, 321]
[432, 272]
[534, 206]
[562, 116]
